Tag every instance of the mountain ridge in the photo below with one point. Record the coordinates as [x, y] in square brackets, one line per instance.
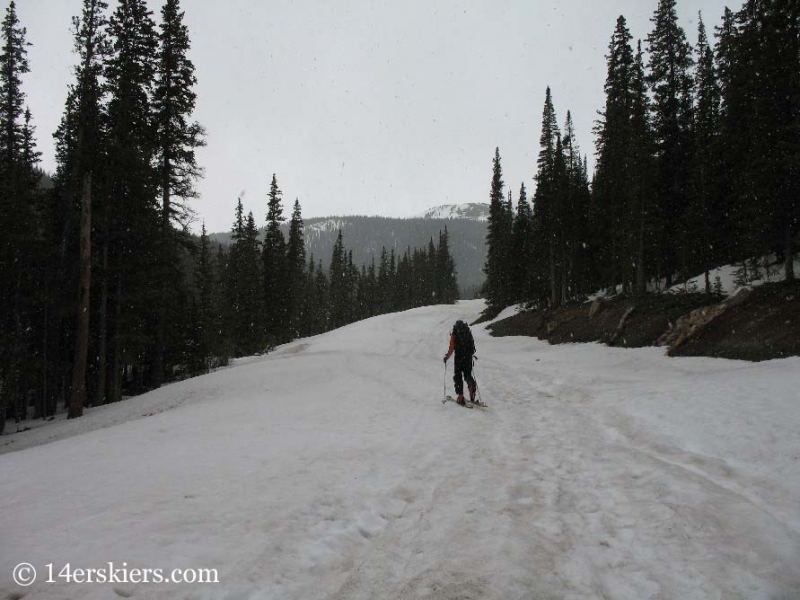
[367, 235]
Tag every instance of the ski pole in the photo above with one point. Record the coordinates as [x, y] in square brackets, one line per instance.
[475, 378]
[444, 384]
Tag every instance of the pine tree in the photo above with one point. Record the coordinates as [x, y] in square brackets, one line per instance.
[445, 277]
[17, 213]
[372, 289]
[204, 302]
[91, 47]
[613, 137]
[576, 211]
[391, 288]
[383, 298]
[703, 198]
[222, 318]
[780, 104]
[522, 247]
[622, 189]
[496, 267]
[177, 139]
[430, 276]
[124, 209]
[276, 271]
[322, 293]
[546, 208]
[296, 261]
[671, 85]
[557, 224]
[643, 176]
[13, 65]
[252, 287]
[338, 292]
[174, 101]
[351, 286]
[309, 324]
[245, 286]
[235, 278]
[742, 129]
[757, 58]
[361, 311]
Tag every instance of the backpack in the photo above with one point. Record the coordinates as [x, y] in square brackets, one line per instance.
[464, 345]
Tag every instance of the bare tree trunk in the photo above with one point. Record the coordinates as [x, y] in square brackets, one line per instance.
[158, 375]
[82, 328]
[553, 286]
[41, 405]
[115, 365]
[564, 277]
[788, 251]
[641, 286]
[100, 397]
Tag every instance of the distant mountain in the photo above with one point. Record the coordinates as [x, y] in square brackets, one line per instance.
[365, 236]
[474, 211]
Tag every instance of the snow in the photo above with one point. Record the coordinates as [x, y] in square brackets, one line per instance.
[330, 469]
[470, 210]
[728, 277]
[327, 225]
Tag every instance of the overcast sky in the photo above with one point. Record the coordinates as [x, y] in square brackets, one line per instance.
[370, 107]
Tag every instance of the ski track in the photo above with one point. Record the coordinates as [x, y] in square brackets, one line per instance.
[366, 486]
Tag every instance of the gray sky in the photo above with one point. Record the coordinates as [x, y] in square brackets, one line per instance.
[370, 107]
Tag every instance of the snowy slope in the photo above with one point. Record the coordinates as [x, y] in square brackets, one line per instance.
[329, 469]
[727, 276]
[475, 211]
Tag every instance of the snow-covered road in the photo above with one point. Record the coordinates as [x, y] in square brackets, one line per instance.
[329, 469]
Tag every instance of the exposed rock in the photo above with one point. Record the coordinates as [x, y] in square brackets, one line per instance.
[740, 297]
[758, 324]
[621, 325]
[688, 325]
[595, 307]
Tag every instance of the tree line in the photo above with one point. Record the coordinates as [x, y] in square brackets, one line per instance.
[92, 266]
[697, 165]
[105, 292]
[258, 294]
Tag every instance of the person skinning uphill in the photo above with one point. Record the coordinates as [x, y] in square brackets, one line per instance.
[464, 346]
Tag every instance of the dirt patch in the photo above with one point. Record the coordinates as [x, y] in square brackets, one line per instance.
[620, 321]
[763, 325]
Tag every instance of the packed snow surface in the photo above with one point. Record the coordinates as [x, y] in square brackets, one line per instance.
[330, 469]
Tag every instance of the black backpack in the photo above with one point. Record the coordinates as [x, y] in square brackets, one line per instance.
[464, 345]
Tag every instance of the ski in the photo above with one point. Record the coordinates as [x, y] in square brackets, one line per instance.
[467, 403]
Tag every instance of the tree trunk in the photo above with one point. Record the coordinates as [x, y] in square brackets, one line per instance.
[82, 327]
[788, 251]
[158, 375]
[115, 366]
[553, 286]
[641, 286]
[100, 396]
[41, 405]
[564, 277]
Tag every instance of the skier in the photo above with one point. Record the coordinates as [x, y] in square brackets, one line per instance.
[461, 341]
